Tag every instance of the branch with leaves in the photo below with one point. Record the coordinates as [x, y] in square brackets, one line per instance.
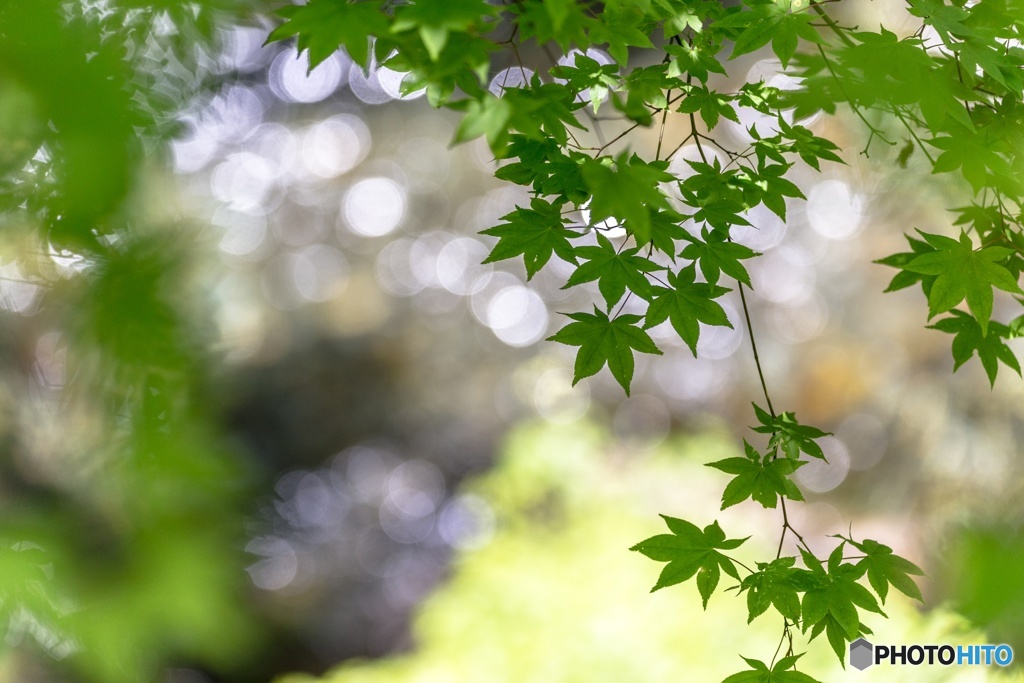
[955, 86]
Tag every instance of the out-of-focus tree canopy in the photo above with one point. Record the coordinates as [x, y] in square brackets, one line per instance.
[121, 535]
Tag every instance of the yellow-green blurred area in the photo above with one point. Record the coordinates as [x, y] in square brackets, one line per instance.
[552, 596]
[264, 413]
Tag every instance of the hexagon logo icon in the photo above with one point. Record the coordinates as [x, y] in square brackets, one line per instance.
[861, 654]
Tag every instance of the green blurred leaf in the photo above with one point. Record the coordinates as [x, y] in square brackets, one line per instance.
[322, 26]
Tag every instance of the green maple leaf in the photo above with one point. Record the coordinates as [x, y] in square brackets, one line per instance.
[487, 116]
[717, 194]
[831, 600]
[766, 21]
[758, 478]
[628, 192]
[782, 672]
[666, 229]
[691, 551]
[543, 165]
[558, 11]
[710, 104]
[809, 146]
[906, 278]
[975, 156]
[680, 14]
[963, 273]
[615, 271]
[946, 19]
[991, 348]
[773, 585]
[322, 26]
[561, 21]
[535, 233]
[696, 60]
[686, 304]
[986, 56]
[542, 110]
[789, 435]
[589, 75]
[464, 67]
[604, 341]
[717, 256]
[774, 188]
[621, 26]
[646, 87]
[886, 569]
[435, 19]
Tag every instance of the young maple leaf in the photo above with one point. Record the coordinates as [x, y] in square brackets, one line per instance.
[691, 551]
[773, 585]
[630, 191]
[963, 273]
[686, 304]
[831, 600]
[991, 348]
[717, 256]
[782, 672]
[603, 340]
[322, 26]
[615, 271]
[762, 479]
[789, 435]
[534, 233]
[885, 568]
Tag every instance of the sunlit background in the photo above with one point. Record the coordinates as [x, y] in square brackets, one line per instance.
[378, 463]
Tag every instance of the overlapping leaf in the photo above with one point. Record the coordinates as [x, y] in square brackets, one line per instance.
[686, 303]
[771, 21]
[435, 20]
[884, 569]
[963, 273]
[832, 599]
[615, 270]
[774, 584]
[763, 479]
[716, 256]
[628, 190]
[969, 340]
[535, 234]
[322, 26]
[710, 104]
[789, 435]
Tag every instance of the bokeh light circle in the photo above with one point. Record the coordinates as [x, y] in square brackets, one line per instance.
[374, 207]
[292, 81]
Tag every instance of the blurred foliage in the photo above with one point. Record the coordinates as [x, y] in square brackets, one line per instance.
[554, 597]
[121, 533]
[981, 573]
[124, 501]
[86, 90]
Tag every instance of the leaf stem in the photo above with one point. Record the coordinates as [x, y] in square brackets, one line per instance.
[757, 358]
